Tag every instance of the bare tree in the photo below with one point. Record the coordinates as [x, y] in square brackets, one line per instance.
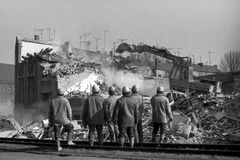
[230, 62]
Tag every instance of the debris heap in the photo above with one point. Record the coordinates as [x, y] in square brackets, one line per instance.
[201, 119]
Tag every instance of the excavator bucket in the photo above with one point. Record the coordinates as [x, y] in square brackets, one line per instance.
[124, 47]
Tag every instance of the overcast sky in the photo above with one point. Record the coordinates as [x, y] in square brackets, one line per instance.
[196, 26]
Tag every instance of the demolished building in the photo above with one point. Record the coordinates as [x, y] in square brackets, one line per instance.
[41, 68]
[197, 118]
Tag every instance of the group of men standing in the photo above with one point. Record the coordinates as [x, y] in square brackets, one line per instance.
[123, 115]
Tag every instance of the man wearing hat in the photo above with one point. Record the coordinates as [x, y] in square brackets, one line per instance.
[60, 114]
[160, 111]
[93, 115]
[139, 101]
[126, 115]
[108, 107]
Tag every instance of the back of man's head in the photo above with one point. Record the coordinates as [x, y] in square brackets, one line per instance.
[111, 90]
[160, 90]
[60, 91]
[135, 88]
[95, 89]
[125, 90]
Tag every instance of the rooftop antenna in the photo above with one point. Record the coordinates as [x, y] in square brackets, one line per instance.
[41, 30]
[96, 39]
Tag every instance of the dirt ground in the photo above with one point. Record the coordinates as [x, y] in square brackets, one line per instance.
[26, 152]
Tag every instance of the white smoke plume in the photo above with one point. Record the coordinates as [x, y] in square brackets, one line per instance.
[122, 78]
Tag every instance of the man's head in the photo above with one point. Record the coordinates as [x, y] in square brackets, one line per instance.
[111, 90]
[135, 88]
[60, 91]
[95, 89]
[125, 90]
[160, 90]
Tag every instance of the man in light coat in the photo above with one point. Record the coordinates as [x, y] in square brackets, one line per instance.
[139, 101]
[126, 115]
[93, 115]
[160, 111]
[60, 114]
[108, 107]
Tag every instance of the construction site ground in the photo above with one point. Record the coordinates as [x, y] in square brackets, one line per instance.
[27, 152]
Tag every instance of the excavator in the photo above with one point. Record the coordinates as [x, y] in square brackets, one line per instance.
[181, 75]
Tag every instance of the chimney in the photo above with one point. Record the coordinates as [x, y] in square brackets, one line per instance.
[36, 37]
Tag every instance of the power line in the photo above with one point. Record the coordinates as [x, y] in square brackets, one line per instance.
[41, 30]
[209, 56]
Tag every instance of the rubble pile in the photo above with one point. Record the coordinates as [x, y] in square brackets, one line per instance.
[60, 65]
[200, 119]
[71, 71]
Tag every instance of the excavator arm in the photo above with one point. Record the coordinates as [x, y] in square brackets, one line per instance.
[162, 52]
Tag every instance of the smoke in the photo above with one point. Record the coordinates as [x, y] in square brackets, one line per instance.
[122, 78]
[35, 112]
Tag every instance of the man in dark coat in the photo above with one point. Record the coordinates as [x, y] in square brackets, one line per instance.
[160, 111]
[93, 115]
[108, 107]
[60, 114]
[126, 115]
[139, 101]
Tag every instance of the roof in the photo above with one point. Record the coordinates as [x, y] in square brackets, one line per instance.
[7, 73]
[223, 77]
[205, 68]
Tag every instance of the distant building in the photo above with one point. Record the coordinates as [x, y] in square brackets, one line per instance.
[164, 69]
[202, 70]
[230, 81]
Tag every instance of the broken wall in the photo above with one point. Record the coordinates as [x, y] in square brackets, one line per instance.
[6, 99]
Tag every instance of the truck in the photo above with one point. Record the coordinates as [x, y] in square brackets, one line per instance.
[181, 76]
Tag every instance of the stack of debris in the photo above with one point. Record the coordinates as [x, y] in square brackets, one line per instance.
[72, 73]
[201, 119]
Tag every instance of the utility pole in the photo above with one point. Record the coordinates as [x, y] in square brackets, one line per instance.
[209, 56]
[193, 59]
[104, 39]
[178, 51]
[200, 59]
[41, 32]
[80, 42]
[49, 33]
[96, 39]
[85, 42]
[54, 34]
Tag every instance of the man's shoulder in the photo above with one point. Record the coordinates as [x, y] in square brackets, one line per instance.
[60, 99]
[96, 96]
